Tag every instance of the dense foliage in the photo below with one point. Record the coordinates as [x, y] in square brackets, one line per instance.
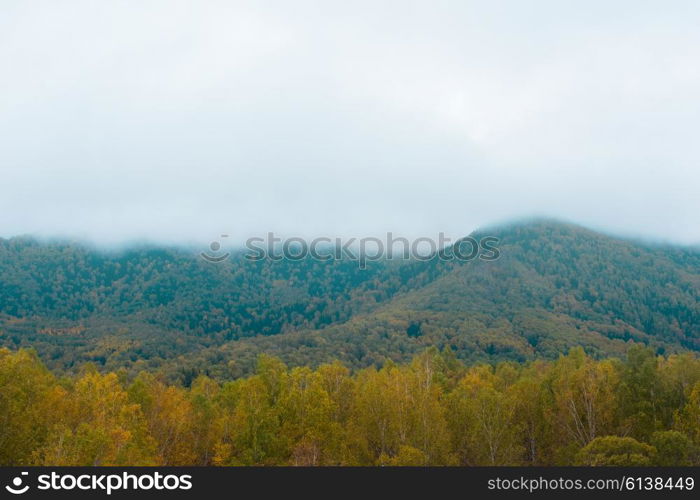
[555, 286]
[643, 410]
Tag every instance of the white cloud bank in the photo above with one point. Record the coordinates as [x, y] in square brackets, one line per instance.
[177, 121]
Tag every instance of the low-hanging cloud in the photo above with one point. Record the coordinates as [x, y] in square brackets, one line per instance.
[178, 121]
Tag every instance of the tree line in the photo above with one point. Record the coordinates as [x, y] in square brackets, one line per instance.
[641, 410]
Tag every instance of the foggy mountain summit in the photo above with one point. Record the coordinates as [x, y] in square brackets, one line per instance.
[554, 286]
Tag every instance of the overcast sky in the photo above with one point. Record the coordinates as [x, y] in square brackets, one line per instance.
[179, 121]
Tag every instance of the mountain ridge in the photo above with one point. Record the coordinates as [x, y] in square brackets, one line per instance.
[555, 285]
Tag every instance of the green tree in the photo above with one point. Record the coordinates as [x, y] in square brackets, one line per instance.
[616, 451]
[641, 392]
[673, 448]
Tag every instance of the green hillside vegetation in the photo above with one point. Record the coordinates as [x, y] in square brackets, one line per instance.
[555, 286]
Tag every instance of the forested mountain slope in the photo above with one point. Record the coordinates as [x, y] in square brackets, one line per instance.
[554, 286]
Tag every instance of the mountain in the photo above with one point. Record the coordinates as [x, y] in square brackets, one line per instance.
[554, 286]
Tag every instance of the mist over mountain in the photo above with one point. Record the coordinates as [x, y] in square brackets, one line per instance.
[554, 286]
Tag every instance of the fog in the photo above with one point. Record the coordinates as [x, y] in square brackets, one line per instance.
[179, 121]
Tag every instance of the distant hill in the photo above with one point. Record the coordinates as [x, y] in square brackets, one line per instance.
[555, 286]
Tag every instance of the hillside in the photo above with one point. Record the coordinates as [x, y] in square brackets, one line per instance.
[555, 286]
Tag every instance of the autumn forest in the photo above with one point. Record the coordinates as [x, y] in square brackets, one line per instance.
[573, 348]
[641, 410]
